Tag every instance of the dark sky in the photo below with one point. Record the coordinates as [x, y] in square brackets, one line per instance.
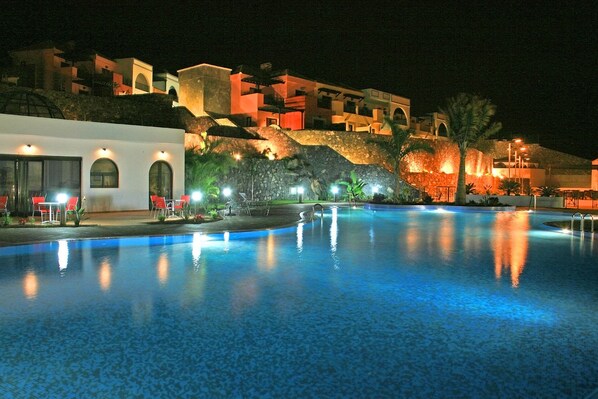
[537, 61]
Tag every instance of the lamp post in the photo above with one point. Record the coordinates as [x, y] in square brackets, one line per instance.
[516, 141]
[196, 197]
[62, 198]
[226, 191]
[334, 190]
[300, 192]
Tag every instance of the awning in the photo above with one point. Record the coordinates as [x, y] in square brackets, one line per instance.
[329, 91]
[278, 110]
[262, 80]
[354, 96]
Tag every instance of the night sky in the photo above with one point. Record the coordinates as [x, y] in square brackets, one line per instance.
[537, 61]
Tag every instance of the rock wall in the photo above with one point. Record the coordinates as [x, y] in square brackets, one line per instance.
[315, 168]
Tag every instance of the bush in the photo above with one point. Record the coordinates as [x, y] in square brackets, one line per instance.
[427, 199]
[547, 191]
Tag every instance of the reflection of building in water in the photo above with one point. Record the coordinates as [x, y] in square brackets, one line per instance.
[105, 275]
[142, 311]
[163, 266]
[244, 295]
[30, 285]
[63, 255]
[266, 255]
[446, 236]
[510, 244]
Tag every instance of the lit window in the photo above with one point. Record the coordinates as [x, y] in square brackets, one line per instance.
[104, 174]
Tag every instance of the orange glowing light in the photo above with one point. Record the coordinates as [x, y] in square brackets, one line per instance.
[163, 266]
[30, 285]
[105, 276]
[510, 245]
[447, 167]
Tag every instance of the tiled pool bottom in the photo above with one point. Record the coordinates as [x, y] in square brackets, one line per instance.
[363, 305]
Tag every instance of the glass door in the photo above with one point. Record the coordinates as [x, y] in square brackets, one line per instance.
[160, 180]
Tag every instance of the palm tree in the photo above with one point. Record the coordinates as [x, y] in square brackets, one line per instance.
[398, 147]
[468, 117]
[204, 167]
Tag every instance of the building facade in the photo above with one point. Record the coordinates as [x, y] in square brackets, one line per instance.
[112, 167]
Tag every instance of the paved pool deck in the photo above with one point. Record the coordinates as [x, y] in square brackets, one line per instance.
[140, 223]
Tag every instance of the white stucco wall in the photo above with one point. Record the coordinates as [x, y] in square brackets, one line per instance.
[132, 148]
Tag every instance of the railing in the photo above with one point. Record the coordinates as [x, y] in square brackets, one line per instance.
[273, 100]
[324, 104]
[581, 221]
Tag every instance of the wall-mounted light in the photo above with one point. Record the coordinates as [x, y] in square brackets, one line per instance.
[162, 152]
[28, 145]
[104, 149]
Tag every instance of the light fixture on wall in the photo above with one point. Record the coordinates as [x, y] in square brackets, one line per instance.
[162, 152]
[104, 149]
[28, 145]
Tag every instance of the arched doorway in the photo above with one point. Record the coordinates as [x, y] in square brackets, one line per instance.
[160, 180]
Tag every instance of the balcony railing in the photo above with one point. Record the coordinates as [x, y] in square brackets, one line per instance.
[273, 100]
[326, 104]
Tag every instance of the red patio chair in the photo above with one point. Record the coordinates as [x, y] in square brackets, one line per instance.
[161, 207]
[180, 206]
[70, 207]
[42, 209]
[3, 202]
[153, 199]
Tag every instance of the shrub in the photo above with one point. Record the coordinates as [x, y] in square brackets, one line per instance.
[470, 188]
[547, 191]
[427, 199]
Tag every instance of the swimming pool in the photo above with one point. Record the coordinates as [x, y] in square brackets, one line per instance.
[361, 304]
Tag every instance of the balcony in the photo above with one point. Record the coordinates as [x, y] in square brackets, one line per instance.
[325, 103]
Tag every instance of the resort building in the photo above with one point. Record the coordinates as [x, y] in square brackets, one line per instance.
[63, 67]
[110, 167]
[278, 113]
[263, 97]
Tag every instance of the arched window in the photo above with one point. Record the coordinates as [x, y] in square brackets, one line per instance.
[104, 174]
[399, 116]
[172, 92]
[442, 130]
[141, 83]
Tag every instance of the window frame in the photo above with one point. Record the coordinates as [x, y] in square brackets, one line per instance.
[105, 177]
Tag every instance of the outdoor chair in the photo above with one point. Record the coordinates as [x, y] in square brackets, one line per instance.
[153, 199]
[3, 202]
[161, 207]
[181, 206]
[244, 204]
[41, 209]
[70, 208]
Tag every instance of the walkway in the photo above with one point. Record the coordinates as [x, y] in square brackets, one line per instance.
[139, 223]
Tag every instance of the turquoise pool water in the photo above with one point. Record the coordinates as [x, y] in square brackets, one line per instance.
[363, 304]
